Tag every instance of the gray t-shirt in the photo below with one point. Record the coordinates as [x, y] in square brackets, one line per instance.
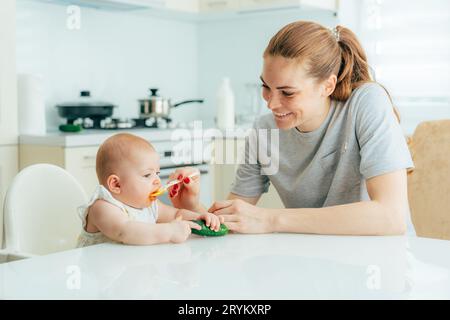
[359, 139]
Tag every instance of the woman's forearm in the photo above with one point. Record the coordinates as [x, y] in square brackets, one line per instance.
[360, 218]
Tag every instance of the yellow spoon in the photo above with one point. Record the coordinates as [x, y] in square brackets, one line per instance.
[164, 189]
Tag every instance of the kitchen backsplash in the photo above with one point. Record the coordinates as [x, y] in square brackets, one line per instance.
[119, 55]
[116, 55]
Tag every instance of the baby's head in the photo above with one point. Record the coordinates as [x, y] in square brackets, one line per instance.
[128, 166]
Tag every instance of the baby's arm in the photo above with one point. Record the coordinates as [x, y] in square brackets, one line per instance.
[168, 213]
[115, 224]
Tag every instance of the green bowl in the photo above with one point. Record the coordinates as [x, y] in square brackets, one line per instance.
[207, 232]
[70, 128]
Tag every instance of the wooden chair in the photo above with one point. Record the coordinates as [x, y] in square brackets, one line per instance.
[429, 181]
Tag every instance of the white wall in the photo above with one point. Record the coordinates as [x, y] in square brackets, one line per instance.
[119, 55]
[116, 55]
[234, 48]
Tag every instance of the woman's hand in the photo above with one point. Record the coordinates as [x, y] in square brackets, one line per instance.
[211, 220]
[185, 195]
[240, 216]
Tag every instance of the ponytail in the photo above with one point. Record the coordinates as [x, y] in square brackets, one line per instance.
[353, 69]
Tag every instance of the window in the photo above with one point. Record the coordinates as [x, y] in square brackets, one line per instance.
[408, 47]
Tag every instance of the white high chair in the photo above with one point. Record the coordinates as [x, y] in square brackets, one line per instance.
[40, 211]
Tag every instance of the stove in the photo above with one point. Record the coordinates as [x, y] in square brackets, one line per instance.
[119, 123]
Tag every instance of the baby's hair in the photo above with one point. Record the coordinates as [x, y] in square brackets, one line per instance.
[115, 151]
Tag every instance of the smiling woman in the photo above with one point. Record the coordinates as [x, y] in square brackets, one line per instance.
[342, 155]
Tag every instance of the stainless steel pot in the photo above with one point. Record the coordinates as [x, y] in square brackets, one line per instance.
[156, 106]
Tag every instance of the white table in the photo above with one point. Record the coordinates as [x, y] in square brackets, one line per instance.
[277, 266]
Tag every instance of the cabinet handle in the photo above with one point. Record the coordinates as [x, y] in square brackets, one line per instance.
[89, 157]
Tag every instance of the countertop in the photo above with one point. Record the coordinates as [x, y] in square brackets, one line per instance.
[275, 266]
[96, 137]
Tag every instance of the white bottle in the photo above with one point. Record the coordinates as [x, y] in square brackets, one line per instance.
[225, 105]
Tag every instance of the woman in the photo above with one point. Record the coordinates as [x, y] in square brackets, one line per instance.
[342, 154]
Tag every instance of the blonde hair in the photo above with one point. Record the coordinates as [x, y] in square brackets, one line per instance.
[325, 52]
[115, 151]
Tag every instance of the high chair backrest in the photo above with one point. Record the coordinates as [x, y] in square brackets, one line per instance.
[429, 182]
[40, 210]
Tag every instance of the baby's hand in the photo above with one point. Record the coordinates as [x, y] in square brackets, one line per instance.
[211, 220]
[181, 229]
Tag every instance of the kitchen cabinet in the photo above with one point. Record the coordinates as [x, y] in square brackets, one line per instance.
[263, 5]
[183, 6]
[321, 4]
[111, 5]
[8, 79]
[78, 161]
[218, 5]
[199, 6]
[226, 155]
[8, 169]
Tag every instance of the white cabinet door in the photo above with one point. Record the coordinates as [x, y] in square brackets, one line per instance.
[8, 169]
[8, 79]
[80, 162]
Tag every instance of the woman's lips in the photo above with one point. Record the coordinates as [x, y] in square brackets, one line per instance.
[282, 116]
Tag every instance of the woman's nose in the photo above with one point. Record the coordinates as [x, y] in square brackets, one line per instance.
[273, 102]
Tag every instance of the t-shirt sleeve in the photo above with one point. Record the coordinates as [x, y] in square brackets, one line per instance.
[383, 147]
[249, 180]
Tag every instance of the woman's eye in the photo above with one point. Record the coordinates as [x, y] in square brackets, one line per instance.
[265, 87]
[287, 94]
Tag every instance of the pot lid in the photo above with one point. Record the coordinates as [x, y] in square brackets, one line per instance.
[153, 95]
[85, 100]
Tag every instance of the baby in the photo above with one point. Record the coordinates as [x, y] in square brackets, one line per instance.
[120, 209]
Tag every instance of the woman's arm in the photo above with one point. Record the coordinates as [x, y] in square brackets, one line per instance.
[253, 200]
[384, 214]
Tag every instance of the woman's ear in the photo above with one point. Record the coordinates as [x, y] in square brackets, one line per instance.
[113, 183]
[329, 85]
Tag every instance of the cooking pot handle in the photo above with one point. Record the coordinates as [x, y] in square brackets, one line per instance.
[187, 101]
